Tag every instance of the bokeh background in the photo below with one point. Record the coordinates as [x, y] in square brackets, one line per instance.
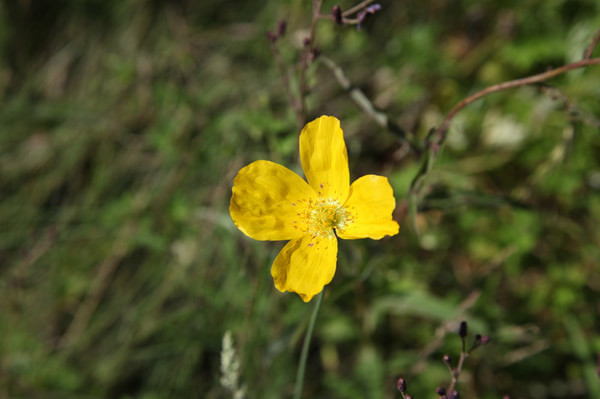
[123, 124]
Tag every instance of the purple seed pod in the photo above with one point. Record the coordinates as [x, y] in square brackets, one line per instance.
[281, 28]
[462, 331]
[401, 385]
[337, 15]
[373, 8]
[314, 54]
[485, 340]
[441, 391]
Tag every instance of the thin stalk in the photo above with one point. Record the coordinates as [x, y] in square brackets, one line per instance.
[456, 372]
[443, 128]
[357, 8]
[305, 346]
[306, 59]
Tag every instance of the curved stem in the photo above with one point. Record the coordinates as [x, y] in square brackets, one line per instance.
[443, 128]
[456, 372]
[305, 346]
[361, 100]
[357, 7]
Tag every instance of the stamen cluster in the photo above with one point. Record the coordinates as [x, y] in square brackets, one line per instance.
[322, 216]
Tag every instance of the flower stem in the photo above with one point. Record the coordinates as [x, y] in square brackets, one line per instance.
[304, 354]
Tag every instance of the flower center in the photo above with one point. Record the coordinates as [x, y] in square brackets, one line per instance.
[325, 215]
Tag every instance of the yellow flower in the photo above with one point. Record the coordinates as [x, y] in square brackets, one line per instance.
[270, 202]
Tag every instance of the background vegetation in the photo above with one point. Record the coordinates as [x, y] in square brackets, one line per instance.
[123, 124]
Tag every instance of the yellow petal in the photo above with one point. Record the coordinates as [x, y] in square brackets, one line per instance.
[305, 265]
[370, 206]
[324, 158]
[267, 200]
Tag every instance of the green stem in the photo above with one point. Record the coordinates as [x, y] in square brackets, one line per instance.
[304, 354]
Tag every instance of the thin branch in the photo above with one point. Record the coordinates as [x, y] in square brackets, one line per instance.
[305, 59]
[590, 49]
[355, 93]
[444, 329]
[307, 56]
[356, 8]
[456, 372]
[317, 4]
[440, 132]
[361, 100]
[438, 135]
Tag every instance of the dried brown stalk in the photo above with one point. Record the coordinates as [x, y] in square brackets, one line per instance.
[441, 131]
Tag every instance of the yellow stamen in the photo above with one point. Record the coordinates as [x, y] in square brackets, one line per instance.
[322, 216]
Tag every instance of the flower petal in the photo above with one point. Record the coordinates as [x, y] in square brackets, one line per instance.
[267, 200]
[370, 204]
[305, 265]
[324, 158]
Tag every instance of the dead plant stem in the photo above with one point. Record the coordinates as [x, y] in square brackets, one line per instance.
[441, 131]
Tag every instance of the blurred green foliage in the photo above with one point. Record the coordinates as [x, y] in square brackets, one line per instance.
[123, 125]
